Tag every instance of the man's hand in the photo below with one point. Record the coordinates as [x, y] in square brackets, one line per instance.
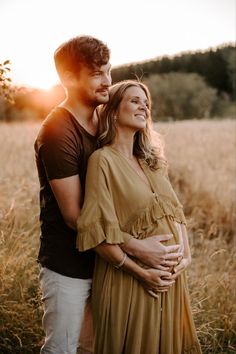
[153, 280]
[152, 252]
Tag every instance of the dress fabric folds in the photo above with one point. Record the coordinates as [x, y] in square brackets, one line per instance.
[119, 205]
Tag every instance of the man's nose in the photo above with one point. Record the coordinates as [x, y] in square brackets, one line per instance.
[106, 80]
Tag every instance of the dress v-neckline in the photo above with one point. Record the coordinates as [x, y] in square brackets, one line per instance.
[124, 158]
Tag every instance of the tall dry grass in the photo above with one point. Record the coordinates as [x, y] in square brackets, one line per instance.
[202, 161]
[19, 233]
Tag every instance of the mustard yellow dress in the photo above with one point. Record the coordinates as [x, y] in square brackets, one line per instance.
[118, 204]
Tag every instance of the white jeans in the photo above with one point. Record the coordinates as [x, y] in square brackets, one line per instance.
[64, 301]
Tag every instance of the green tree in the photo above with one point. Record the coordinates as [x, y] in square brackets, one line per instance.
[229, 55]
[216, 65]
[6, 89]
[180, 96]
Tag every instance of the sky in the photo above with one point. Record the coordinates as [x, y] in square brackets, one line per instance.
[134, 30]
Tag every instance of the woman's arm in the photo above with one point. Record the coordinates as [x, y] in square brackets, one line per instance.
[153, 280]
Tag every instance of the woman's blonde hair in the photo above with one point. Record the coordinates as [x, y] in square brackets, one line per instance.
[145, 147]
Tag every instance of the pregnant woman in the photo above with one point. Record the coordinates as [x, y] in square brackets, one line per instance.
[136, 310]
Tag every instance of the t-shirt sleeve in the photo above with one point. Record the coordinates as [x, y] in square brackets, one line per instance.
[59, 152]
[98, 220]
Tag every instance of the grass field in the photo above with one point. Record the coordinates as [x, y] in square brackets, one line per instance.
[202, 160]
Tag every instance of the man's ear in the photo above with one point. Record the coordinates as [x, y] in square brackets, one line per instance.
[68, 78]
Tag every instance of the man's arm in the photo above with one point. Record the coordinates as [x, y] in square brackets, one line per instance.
[67, 192]
[153, 280]
[152, 252]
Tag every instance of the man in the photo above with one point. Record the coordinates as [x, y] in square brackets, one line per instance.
[64, 143]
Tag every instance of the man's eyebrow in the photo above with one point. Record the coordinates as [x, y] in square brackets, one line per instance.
[95, 70]
[98, 69]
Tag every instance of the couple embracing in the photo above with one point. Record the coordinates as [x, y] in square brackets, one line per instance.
[111, 224]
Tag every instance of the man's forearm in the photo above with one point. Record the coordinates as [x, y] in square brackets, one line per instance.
[152, 252]
[132, 247]
[72, 219]
[114, 255]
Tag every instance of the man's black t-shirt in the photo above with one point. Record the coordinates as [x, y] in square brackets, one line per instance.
[62, 149]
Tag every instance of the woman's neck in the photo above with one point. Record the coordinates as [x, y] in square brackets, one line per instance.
[124, 144]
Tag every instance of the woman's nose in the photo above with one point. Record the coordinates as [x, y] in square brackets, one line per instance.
[143, 107]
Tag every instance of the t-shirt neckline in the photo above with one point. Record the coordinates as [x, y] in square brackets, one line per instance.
[77, 122]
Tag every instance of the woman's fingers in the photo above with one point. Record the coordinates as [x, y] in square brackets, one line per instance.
[163, 273]
[180, 268]
[166, 282]
[158, 280]
[153, 293]
[161, 267]
[169, 263]
[162, 279]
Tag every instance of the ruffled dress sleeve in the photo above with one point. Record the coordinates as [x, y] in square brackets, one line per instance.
[98, 221]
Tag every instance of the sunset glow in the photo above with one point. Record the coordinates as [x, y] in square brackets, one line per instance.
[134, 30]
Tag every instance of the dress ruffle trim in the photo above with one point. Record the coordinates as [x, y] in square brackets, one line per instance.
[97, 232]
[152, 214]
[100, 230]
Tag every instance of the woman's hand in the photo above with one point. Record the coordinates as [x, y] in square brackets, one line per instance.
[153, 280]
[157, 281]
[185, 260]
[181, 267]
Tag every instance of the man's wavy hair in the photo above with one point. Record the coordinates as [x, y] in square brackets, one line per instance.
[80, 51]
[148, 144]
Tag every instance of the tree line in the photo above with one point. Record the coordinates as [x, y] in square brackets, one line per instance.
[217, 66]
[198, 84]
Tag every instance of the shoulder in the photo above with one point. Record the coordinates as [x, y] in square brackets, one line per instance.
[99, 155]
[56, 128]
[57, 122]
[102, 157]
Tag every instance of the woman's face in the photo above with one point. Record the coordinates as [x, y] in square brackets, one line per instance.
[133, 111]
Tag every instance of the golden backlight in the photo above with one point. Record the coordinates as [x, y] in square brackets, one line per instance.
[134, 30]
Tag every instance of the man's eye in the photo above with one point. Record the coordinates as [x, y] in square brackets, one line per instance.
[96, 73]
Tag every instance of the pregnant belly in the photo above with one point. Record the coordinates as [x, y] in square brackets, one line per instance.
[163, 226]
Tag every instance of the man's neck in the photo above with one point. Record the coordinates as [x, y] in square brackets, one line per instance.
[85, 115]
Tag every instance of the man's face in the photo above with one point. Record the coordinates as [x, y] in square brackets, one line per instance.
[92, 85]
